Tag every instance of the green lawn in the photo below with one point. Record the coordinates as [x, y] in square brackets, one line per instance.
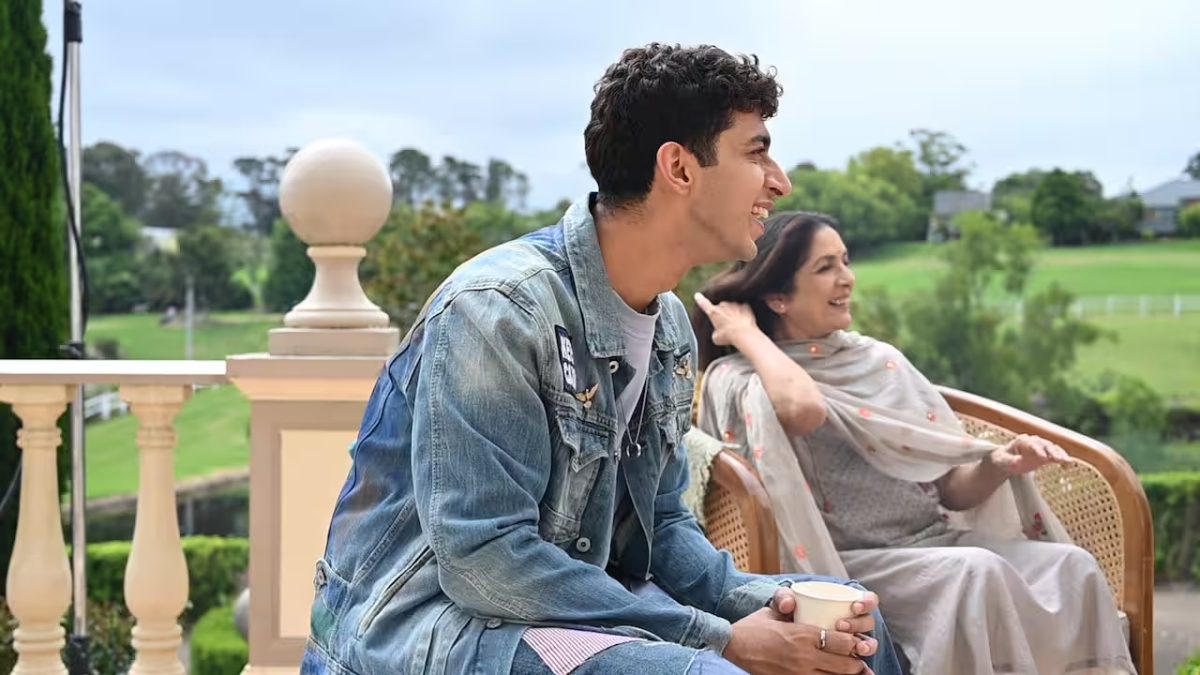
[1162, 350]
[1155, 268]
[213, 428]
[141, 337]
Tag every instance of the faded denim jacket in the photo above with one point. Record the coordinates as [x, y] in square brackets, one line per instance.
[483, 495]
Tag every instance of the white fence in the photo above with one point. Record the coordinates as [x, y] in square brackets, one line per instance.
[1124, 305]
[104, 405]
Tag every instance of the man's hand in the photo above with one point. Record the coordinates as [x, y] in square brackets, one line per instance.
[1027, 453]
[766, 644]
[863, 621]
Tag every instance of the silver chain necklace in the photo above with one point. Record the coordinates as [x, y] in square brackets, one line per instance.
[636, 446]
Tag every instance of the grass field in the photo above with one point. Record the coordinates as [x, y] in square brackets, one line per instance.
[1156, 268]
[213, 431]
[1162, 350]
[213, 427]
[141, 337]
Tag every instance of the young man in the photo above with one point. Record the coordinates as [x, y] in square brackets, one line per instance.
[515, 500]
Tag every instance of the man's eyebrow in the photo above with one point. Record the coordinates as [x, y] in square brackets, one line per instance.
[762, 139]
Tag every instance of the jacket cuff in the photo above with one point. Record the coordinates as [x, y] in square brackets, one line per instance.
[707, 631]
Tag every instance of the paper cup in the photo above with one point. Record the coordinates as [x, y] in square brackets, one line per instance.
[823, 604]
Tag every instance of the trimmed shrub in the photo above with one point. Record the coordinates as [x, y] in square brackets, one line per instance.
[217, 647]
[1175, 506]
[216, 566]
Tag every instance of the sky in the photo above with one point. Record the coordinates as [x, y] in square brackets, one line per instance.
[1111, 87]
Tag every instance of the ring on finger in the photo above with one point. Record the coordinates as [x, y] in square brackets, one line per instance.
[821, 642]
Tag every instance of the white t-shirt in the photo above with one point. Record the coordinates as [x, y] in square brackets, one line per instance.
[639, 338]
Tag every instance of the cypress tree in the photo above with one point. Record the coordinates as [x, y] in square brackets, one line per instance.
[34, 294]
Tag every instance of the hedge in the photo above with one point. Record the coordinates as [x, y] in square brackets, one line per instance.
[215, 565]
[217, 646]
[1175, 506]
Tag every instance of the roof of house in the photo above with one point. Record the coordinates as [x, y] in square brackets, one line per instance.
[1171, 193]
[954, 202]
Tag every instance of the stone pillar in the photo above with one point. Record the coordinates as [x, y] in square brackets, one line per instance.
[307, 395]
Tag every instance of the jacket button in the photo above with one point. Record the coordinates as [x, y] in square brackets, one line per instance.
[583, 544]
[494, 623]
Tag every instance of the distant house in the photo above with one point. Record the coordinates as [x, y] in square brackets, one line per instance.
[947, 204]
[162, 238]
[1164, 203]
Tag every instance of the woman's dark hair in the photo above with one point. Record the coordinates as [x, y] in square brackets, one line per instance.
[782, 249]
[660, 93]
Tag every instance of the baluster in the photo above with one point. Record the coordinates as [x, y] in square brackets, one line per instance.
[156, 578]
[39, 578]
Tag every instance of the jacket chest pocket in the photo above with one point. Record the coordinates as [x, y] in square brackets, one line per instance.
[579, 450]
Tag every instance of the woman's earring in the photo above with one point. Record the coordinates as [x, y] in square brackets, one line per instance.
[781, 308]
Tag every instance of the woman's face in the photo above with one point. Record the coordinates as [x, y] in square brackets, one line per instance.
[820, 303]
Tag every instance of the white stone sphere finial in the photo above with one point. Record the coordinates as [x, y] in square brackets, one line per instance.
[336, 196]
[333, 192]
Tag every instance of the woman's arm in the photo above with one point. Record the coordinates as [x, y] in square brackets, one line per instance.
[794, 395]
[967, 486]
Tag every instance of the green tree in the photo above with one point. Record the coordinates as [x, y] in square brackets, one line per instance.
[940, 157]
[504, 185]
[413, 176]
[1119, 216]
[957, 335]
[896, 167]
[1066, 207]
[459, 182]
[111, 244]
[261, 196]
[118, 172]
[418, 248]
[893, 165]
[180, 193]
[206, 255]
[1193, 167]
[291, 272]
[34, 309]
[162, 279]
[1013, 194]
[1189, 221]
[870, 211]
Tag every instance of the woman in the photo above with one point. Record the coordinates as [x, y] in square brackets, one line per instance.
[870, 473]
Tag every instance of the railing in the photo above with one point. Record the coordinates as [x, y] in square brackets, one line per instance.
[307, 397]
[1090, 306]
[39, 577]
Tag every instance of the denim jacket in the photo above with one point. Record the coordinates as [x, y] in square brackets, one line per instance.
[483, 494]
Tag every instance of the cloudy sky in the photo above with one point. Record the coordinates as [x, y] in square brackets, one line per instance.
[1110, 86]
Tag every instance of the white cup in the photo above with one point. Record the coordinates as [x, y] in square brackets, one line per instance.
[823, 604]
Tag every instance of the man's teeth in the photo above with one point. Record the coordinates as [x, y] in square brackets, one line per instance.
[838, 303]
[760, 212]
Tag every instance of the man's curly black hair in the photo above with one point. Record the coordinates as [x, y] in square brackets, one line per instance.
[662, 93]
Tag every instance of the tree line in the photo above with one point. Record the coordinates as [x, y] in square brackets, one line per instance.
[231, 243]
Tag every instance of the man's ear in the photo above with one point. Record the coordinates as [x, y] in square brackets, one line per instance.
[676, 167]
